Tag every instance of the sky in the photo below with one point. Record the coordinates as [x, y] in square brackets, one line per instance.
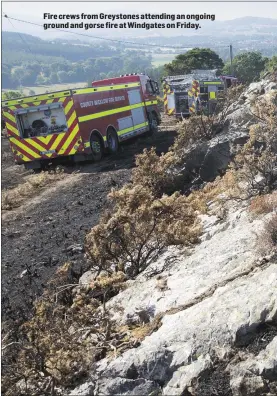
[33, 11]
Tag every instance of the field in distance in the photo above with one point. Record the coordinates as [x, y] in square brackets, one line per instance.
[43, 88]
[161, 59]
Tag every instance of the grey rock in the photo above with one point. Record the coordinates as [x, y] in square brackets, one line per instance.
[86, 389]
[251, 376]
[87, 277]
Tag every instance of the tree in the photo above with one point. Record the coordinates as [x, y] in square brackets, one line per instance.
[62, 76]
[40, 80]
[247, 66]
[54, 78]
[11, 95]
[271, 64]
[197, 58]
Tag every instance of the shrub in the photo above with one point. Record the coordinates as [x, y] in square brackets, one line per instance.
[264, 204]
[138, 229]
[154, 172]
[195, 129]
[66, 334]
[268, 237]
[254, 167]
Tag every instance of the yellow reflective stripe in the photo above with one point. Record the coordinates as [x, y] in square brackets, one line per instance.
[171, 111]
[212, 95]
[25, 148]
[133, 128]
[11, 128]
[151, 102]
[57, 141]
[9, 116]
[31, 99]
[71, 119]
[22, 156]
[69, 139]
[109, 112]
[45, 139]
[35, 144]
[213, 83]
[87, 144]
[68, 107]
[103, 89]
[126, 130]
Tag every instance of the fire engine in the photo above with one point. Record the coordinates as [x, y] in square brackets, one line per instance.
[185, 95]
[81, 123]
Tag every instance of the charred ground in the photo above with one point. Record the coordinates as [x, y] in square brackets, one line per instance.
[49, 228]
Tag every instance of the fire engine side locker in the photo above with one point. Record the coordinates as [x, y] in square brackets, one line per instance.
[135, 123]
[138, 114]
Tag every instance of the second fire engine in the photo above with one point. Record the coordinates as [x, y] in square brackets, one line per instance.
[185, 95]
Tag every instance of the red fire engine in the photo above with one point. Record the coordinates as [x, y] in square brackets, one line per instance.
[81, 123]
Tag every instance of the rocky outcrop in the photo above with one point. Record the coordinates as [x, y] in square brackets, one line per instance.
[210, 312]
[216, 297]
[212, 157]
[255, 375]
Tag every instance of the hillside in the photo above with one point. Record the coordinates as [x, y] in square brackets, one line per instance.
[28, 61]
[165, 286]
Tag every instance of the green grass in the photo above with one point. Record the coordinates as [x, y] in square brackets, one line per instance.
[43, 88]
[161, 59]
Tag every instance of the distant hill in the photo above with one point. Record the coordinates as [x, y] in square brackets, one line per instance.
[28, 45]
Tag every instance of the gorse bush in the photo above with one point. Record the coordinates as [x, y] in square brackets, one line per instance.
[67, 333]
[138, 229]
[155, 172]
[195, 129]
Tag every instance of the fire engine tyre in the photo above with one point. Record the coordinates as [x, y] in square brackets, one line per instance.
[112, 141]
[153, 123]
[96, 147]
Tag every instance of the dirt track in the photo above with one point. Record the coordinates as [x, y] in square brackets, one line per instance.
[36, 236]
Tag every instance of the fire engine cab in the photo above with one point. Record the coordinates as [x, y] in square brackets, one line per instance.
[81, 123]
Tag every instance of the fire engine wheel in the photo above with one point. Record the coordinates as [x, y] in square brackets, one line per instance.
[153, 123]
[96, 148]
[112, 141]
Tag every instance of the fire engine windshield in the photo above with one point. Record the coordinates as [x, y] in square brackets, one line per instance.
[41, 121]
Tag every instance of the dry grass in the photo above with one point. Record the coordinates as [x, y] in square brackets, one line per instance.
[14, 197]
[264, 204]
[268, 237]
